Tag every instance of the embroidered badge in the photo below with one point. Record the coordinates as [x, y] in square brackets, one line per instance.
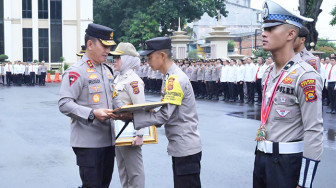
[283, 99]
[90, 70]
[96, 98]
[312, 62]
[96, 88]
[287, 80]
[309, 89]
[283, 113]
[135, 87]
[171, 83]
[73, 76]
[90, 64]
[93, 76]
[293, 72]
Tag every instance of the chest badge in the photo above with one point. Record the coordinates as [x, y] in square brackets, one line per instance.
[283, 99]
[96, 88]
[93, 76]
[287, 80]
[283, 113]
[90, 70]
[96, 98]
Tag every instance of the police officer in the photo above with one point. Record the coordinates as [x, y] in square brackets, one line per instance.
[250, 72]
[261, 68]
[9, 69]
[290, 138]
[193, 78]
[224, 80]
[179, 116]
[299, 47]
[2, 73]
[200, 79]
[331, 85]
[86, 97]
[44, 70]
[130, 90]
[208, 80]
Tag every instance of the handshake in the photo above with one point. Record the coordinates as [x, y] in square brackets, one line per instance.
[103, 114]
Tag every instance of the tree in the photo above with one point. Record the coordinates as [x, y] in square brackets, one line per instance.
[231, 46]
[260, 52]
[193, 54]
[311, 9]
[325, 46]
[161, 16]
[3, 57]
[333, 13]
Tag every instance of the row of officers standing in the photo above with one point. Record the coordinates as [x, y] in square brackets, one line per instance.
[210, 78]
[19, 73]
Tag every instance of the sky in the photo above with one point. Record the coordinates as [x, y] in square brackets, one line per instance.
[322, 26]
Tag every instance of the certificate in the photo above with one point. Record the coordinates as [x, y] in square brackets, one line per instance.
[127, 136]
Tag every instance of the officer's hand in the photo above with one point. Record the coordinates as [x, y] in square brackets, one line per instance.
[216, 82]
[101, 114]
[137, 141]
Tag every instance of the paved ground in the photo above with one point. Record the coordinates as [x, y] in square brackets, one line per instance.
[35, 150]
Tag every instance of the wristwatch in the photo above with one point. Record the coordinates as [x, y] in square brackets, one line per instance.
[91, 116]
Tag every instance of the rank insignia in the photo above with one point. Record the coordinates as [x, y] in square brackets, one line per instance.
[93, 76]
[90, 64]
[109, 75]
[73, 76]
[135, 87]
[90, 70]
[287, 80]
[293, 72]
[96, 98]
[282, 113]
[96, 88]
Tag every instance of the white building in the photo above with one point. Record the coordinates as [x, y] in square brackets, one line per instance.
[43, 29]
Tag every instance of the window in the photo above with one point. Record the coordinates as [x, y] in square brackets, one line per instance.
[43, 45]
[2, 36]
[27, 36]
[56, 30]
[43, 9]
[26, 9]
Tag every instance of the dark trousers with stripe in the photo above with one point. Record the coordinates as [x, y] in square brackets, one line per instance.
[187, 171]
[95, 166]
[276, 170]
[201, 88]
[250, 90]
[8, 78]
[240, 90]
[332, 95]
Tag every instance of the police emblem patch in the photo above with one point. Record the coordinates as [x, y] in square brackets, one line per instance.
[90, 70]
[96, 88]
[90, 64]
[93, 76]
[96, 98]
[287, 80]
[135, 87]
[283, 113]
[309, 89]
[312, 62]
[283, 99]
[73, 76]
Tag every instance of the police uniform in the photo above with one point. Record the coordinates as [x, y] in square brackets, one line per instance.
[293, 132]
[193, 78]
[208, 81]
[43, 73]
[311, 59]
[87, 86]
[129, 88]
[8, 68]
[215, 74]
[331, 85]
[2, 73]
[200, 81]
[224, 82]
[240, 82]
[180, 119]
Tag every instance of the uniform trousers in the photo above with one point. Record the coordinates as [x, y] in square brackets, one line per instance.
[37, 78]
[145, 80]
[187, 171]
[130, 166]
[201, 88]
[8, 78]
[19, 79]
[232, 89]
[332, 95]
[95, 166]
[158, 85]
[258, 89]
[32, 78]
[42, 78]
[216, 89]
[325, 93]
[250, 91]
[240, 90]
[225, 89]
[276, 170]
[210, 88]
[3, 79]
[194, 85]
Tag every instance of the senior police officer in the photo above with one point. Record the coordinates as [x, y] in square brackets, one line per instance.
[86, 97]
[290, 137]
[179, 116]
[299, 47]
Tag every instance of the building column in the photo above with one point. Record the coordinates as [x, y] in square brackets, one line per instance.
[35, 30]
[8, 28]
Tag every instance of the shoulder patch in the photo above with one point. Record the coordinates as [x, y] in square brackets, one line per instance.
[73, 76]
[135, 87]
[90, 64]
[309, 89]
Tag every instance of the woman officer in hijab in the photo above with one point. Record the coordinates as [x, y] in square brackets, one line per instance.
[129, 88]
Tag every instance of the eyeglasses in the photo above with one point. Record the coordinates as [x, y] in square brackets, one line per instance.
[116, 57]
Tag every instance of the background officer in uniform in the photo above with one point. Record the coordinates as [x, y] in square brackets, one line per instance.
[86, 97]
[290, 139]
[130, 90]
[179, 116]
[299, 47]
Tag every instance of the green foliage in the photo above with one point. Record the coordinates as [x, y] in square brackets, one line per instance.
[62, 59]
[231, 45]
[35, 60]
[153, 17]
[193, 54]
[3, 57]
[259, 52]
[324, 42]
[333, 13]
[66, 66]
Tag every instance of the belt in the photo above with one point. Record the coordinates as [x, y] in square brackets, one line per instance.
[284, 147]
